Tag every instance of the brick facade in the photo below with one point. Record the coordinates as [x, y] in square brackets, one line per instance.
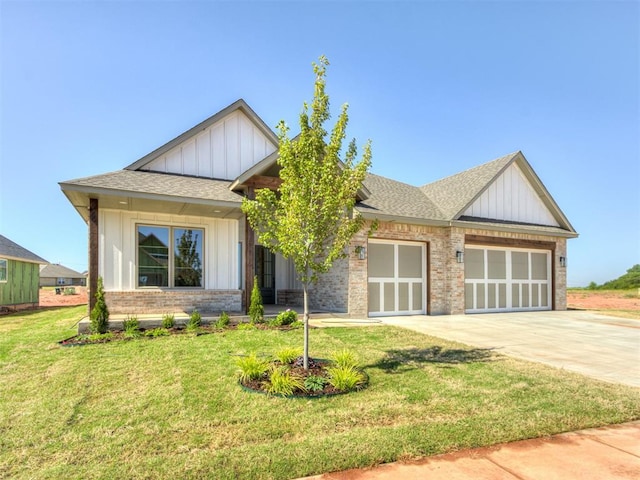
[170, 301]
[445, 276]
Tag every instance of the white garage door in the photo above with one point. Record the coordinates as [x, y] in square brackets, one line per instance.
[397, 278]
[501, 279]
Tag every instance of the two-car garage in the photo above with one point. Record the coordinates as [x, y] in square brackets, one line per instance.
[496, 278]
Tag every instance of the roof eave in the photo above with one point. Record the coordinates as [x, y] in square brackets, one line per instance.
[532, 230]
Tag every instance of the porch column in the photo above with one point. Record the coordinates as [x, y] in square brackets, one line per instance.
[249, 255]
[93, 251]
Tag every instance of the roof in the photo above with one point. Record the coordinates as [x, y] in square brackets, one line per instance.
[390, 198]
[55, 270]
[10, 249]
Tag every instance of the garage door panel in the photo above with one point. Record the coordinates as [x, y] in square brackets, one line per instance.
[511, 279]
[397, 277]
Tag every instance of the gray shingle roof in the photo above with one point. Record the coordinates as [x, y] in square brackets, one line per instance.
[162, 184]
[393, 198]
[10, 249]
[59, 271]
[452, 194]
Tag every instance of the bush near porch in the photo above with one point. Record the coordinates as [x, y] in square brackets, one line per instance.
[172, 407]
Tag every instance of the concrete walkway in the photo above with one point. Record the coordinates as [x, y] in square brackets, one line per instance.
[609, 453]
[598, 346]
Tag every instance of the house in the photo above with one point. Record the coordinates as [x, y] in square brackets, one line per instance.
[56, 275]
[166, 233]
[19, 276]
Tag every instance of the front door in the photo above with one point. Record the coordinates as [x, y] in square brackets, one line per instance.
[266, 274]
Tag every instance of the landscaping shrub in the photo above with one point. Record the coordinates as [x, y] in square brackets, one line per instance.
[223, 320]
[247, 326]
[131, 327]
[156, 332]
[100, 313]
[288, 355]
[313, 383]
[256, 309]
[345, 378]
[251, 367]
[345, 358]
[287, 317]
[283, 382]
[168, 320]
[195, 321]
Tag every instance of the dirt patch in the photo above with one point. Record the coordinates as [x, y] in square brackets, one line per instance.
[605, 300]
[49, 298]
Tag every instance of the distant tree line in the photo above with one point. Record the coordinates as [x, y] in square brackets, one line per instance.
[631, 279]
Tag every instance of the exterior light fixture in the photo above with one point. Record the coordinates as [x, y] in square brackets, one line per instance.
[563, 261]
[460, 256]
[361, 252]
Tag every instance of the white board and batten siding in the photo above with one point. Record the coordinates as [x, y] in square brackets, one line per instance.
[118, 247]
[222, 151]
[511, 197]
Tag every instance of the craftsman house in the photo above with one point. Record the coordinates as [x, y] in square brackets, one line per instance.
[166, 233]
[19, 276]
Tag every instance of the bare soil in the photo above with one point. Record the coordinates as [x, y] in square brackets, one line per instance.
[48, 297]
[603, 300]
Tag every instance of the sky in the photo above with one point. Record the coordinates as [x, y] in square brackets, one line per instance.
[438, 87]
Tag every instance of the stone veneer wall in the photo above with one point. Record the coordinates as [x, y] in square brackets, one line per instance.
[170, 301]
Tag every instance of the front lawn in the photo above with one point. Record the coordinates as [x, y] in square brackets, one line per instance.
[171, 407]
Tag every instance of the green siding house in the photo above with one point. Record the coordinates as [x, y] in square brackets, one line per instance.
[19, 276]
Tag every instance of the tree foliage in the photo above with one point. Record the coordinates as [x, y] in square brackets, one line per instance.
[310, 219]
[631, 279]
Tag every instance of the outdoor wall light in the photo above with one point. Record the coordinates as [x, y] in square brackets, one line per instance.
[361, 252]
[459, 256]
[563, 261]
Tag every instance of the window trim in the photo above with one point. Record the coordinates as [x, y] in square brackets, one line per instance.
[6, 269]
[171, 257]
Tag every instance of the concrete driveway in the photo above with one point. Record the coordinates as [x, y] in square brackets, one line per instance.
[606, 348]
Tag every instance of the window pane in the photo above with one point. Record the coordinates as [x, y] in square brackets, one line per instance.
[473, 263]
[539, 266]
[497, 264]
[480, 295]
[491, 291]
[520, 265]
[389, 297]
[153, 256]
[544, 295]
[403, 296]
[534, 295]
[3, 270]
[187, 257]
[502, 296]
[409, 261]
[515, 295]
[468, 296]
[417, 296]
[374, 297]
[380, 260]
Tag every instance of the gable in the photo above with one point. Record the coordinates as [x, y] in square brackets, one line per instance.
[511, 197]
[223, 150]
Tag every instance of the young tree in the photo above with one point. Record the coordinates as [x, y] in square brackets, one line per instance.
[310, 219]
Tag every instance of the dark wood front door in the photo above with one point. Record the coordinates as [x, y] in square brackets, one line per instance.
[265, 262]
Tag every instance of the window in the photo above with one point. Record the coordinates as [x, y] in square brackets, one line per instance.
[169, 257]
[3, 270]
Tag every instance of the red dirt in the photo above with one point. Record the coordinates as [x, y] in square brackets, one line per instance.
[594, 300]
[48, 298]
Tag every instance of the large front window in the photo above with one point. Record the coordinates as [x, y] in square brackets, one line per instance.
[169, 256]
[3, 270]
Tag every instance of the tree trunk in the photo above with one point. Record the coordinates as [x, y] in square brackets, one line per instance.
[305, 357]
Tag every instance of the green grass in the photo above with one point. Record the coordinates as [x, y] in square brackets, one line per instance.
[170, 407]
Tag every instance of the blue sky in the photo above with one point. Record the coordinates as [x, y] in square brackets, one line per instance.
[439, 87]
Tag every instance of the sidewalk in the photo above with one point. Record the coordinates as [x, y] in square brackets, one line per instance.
[607, 453]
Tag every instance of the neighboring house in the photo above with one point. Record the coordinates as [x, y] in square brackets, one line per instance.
[167, 233]
[19, 276]
[56, 275]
